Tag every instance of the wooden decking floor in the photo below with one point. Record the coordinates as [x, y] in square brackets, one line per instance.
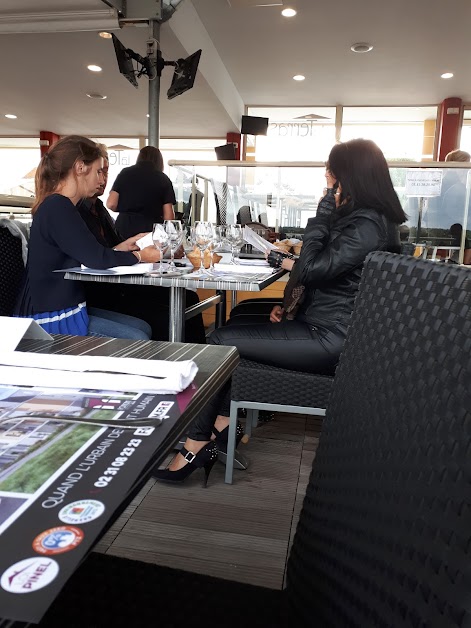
[241, 531]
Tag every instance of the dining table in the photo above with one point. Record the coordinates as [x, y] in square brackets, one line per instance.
[63, 482]
[244, 276]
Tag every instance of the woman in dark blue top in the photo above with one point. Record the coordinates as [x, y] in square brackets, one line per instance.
[71, 170]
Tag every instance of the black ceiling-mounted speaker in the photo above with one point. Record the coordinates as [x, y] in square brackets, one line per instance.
[226, 152]
[254, 125]
[184, 75]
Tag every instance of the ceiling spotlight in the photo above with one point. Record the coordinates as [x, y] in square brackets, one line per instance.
[11, 116]
[105, 35]
[288, 13]
[96, 96]
[361, 47]
[299, 77]
[94, 68]
[447, 75]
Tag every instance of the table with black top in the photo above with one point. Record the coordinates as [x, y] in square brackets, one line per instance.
[177, 285]
[76, 499]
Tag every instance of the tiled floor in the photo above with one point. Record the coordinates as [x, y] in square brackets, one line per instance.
[241, 531]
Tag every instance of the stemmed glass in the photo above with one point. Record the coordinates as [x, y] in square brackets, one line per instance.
[235, 237]
[174, 231]
[219, 235]
[161, 241]
[202, 236]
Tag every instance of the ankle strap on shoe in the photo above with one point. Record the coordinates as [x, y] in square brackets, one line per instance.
[189, 456]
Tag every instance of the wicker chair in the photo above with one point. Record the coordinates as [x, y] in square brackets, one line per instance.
[13, 254]
[260, 387]
[383, 536]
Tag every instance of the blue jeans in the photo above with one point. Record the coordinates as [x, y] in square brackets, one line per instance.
[116, 325]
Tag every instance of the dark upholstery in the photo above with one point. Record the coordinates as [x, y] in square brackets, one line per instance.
[269, 384]
[384, 534]
[11, 270]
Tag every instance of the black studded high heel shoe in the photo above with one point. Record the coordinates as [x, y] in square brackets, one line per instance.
[205, 458]
[240, 462]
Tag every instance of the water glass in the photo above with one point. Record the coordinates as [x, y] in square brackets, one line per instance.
[218, 240]
[175, 234]
[235, 237]
[202, 235]
[161, 241]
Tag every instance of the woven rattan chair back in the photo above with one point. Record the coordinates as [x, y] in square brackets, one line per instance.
[384, 536]
[11, 268]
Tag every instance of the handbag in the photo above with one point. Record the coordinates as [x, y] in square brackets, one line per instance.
[293, 295]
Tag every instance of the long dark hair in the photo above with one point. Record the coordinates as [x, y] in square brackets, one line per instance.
[361, 169]
[59, 160]
[152, 154]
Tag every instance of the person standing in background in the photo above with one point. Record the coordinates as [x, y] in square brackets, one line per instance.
[142, 194]
[454, 190]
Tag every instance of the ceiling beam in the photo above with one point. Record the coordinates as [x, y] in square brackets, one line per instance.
[192, 35]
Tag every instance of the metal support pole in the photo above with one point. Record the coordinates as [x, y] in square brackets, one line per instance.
[154, 93]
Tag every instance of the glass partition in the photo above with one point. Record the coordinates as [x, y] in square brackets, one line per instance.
[283, 196]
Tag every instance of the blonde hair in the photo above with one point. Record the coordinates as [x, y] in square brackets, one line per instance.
[458, 155]
[56, 164]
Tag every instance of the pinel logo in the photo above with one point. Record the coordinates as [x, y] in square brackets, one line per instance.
[57, 540]
[29, 575]
[81, 511]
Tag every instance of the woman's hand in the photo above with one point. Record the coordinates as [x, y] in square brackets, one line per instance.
[276, 314]
[330, 179]
[150, 254]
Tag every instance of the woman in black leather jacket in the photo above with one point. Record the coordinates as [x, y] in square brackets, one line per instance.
[359, 213]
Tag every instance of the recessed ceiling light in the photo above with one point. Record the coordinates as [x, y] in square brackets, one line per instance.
[94, 68]
[11, 116]
[147, 115]
[361, 47]
[97, 96]
[105, 35]
[299, 77]
[288, 13]
[447, 75]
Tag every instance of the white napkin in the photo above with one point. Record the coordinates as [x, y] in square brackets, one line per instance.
[134, 269]
[243, 269]
[96, 372]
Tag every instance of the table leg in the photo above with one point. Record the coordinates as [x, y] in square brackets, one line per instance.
[221, 309]
[233, 299]
[176, 319]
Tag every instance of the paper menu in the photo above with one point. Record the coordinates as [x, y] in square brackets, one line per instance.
[145, 241]
[257, 241]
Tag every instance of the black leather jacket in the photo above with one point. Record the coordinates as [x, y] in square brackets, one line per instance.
[331, 262]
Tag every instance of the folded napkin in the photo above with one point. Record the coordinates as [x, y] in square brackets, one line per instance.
[244, 269]
[96, 372]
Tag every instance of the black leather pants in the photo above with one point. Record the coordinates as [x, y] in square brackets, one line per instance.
[293, 345]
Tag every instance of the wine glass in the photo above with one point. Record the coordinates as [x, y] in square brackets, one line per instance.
[174, 231]
[161, 241]
[219, 235]
[235, 237]
[202, 235]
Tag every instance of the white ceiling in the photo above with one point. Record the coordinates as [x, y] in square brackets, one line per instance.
[250, 55]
